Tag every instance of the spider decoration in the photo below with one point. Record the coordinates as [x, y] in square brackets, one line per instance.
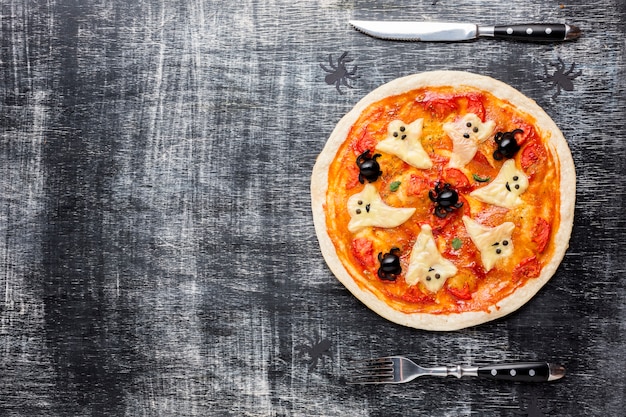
[507, 144]
[316, 349]
[389, 265]
[338, 73]
[445, 198]
[533, 410]
[561, 79]
[369, 169]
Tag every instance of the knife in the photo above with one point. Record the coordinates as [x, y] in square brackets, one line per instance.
[449, 31]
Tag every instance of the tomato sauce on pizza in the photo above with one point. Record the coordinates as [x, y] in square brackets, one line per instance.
[443, 200]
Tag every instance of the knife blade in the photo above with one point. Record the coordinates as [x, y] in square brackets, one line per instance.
[451, 31]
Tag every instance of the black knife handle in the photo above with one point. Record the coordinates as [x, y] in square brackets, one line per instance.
[522, 371]
[537, 32]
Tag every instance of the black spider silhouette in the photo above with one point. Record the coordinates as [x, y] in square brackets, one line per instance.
[315, 350]
[339, 74]
[533, 410]
[560, 79]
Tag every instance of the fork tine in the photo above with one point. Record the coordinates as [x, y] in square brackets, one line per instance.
[371, 364]
[370, 371]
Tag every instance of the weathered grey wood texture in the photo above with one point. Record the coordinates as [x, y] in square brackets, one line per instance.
[157, 252]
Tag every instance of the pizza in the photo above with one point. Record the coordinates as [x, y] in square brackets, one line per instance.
[444, 200]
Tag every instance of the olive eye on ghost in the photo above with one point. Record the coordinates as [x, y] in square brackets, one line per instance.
[429, 277]
[504, 243]
[360, 203]
[402, 130]
[516, 186]
[475, 130]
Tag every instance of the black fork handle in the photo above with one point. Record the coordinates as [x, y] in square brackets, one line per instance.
[523, 371]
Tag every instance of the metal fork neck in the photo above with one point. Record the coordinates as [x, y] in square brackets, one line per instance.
[456, 370]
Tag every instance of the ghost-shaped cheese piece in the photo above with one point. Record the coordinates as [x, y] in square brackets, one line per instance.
[426, 264]
[403, 141]
[505, 189]
[466, 134]
[367, 208]
[494, 243]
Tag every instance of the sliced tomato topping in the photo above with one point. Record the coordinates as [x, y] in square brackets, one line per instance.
[457, 179]
[475, 105]
[439, 160]
[363, 251]
[528, 132]
[481, 159]
[541, 234]
[417, 185]
[441, 107]
[454, 217]
[413, 294]
[527, 268]
[477, 268]
[463, 293]
[353, 177]
[533, 153]
[482, 169]
[365, 142]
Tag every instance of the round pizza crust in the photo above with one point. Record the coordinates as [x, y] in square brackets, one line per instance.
[446, 322]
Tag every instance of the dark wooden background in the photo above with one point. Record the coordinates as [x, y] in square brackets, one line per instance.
[157, 251]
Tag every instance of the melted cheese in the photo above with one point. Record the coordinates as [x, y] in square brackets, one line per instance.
[466, 134]
[367, 208]
[404, 142]
[506, 188]
[370, 127]
[427, 265]
[494, 243]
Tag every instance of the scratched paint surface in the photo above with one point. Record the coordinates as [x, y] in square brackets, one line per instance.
[157, 252]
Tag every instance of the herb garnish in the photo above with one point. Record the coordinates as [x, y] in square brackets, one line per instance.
[478, 178]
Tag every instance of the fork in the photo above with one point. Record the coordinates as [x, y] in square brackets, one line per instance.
[398, 369]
